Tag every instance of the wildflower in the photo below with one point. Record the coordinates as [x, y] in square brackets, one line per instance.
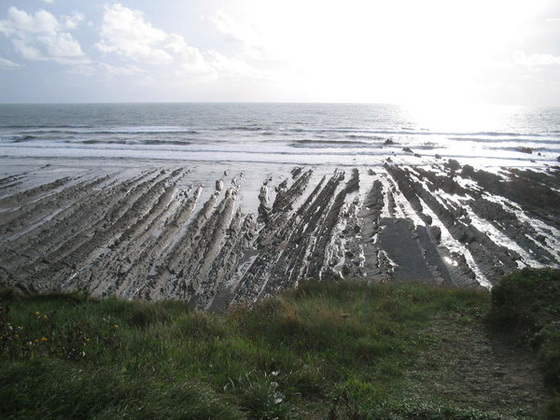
[45, 317]
[87, 340]
[116, 325]
[37, 313]
[43, 339]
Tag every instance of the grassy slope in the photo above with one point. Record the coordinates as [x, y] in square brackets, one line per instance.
[338, 351]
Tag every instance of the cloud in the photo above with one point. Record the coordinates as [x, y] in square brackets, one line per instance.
[129, 70]
[235, 68]
[72, 22]
[125, 32]
[246, 34]
[6, 64]
[43, 37]
[190, 59]
[535, 60]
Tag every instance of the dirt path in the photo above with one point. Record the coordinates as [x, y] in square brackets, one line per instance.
[470, 368]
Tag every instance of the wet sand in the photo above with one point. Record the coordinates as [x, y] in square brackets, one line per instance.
[220, 234]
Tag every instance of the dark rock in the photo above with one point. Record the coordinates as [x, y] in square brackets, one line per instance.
[453, 165]
[438, 156]
[282, 186]
[523, 149]
[468, 171]
[467, 237]
[296, 171]
[407, 149]
[389, 141]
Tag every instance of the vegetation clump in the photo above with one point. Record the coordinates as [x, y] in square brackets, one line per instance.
[526, 305]
[337, 350]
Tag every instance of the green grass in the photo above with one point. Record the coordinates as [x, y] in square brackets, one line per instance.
[526, 306]
[338, 351]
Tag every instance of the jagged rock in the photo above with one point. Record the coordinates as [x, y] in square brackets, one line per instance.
[296, 171]
[168, 242]
[435, 232]
[467, 172]
[453, 165]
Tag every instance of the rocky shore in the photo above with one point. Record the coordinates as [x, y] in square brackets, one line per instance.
[224, 234]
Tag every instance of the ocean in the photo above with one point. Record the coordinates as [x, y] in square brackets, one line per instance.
[221, 204]
[334, 134]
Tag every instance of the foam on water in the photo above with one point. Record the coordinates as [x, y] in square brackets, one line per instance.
[340, 134]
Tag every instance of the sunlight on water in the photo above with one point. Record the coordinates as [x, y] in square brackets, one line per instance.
[317, 134]
[461, 118]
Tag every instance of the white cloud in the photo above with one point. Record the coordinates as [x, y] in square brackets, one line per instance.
[535, 60]
[72, 22]
[6, 64]
[129, 70]
[190, 59]
[125, 32]
[42, 36]
[235, 68]
[246, 34]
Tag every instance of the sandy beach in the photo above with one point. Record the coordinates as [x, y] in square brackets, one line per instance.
[218, 234]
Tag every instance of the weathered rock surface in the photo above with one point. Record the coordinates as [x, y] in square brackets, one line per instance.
[157, 234]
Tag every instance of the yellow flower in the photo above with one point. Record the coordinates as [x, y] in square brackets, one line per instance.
[87, 339]
[37, 313]
[116, 325]
[44, 339]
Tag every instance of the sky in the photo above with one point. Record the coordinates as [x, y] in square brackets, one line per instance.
[376, 51]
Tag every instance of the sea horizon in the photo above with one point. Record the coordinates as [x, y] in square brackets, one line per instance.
[281, 132]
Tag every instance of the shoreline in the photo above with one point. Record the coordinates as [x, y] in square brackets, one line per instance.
[217, 233]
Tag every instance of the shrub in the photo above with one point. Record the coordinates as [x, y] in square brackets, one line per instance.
[525, 301]
[552, 410]
[526, 305]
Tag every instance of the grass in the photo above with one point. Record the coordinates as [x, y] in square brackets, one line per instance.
[526, 306]
[345, 350]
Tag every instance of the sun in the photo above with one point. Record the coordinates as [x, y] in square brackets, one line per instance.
[459, 117]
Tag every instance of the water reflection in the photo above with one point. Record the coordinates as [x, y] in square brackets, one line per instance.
[465, 118]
